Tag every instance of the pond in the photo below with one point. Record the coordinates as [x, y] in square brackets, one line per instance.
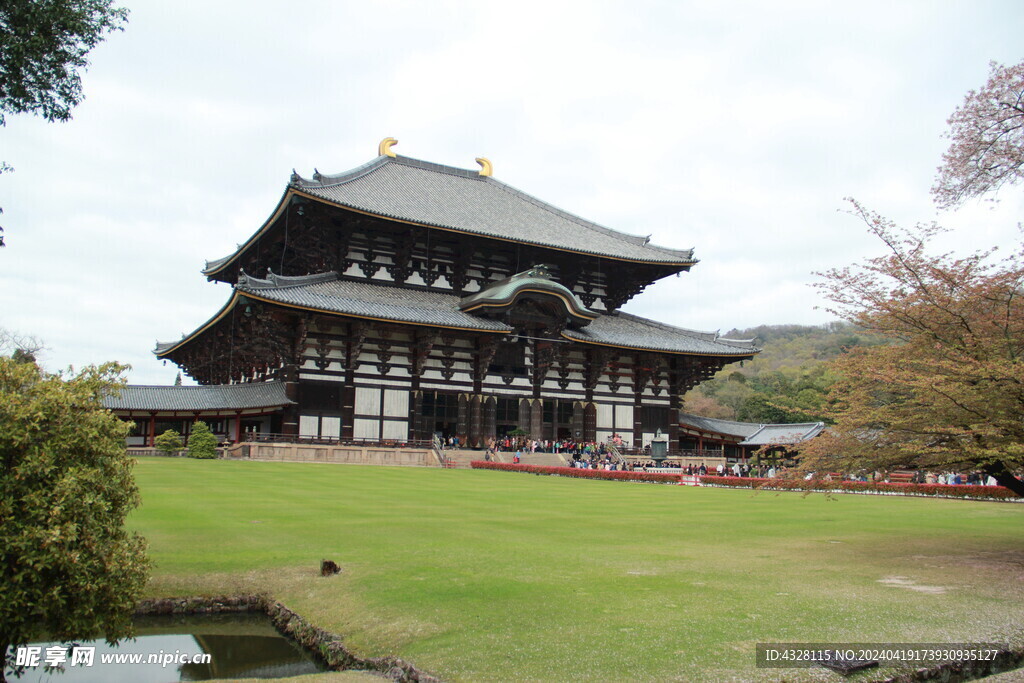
[181, 648]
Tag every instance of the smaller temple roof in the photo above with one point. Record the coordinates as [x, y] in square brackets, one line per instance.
[199, 398]
[755, 434]
[784, 434]
[727, 427]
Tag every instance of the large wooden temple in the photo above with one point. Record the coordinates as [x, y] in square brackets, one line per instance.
[405, 298]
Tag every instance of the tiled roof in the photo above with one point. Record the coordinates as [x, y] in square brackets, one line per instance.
[368, 299]
[200, 398]
[382, 301]
[711, 424]
[784, 434]
[755, 434]
[635, 332]
[462, 200]
[324, 292]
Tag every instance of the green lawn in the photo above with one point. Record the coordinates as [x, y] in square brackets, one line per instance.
[482, 575]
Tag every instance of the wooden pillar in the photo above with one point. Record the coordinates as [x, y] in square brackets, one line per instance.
[415, 420]
[673, 421]
[151, 441]
[525, 416]
[462, 426]
[475, 420]
[638, 425]
[238, 426]
[348, 411]
[537, 420]
[578, 420]
[290, 415]
[590, 421]
[490, 422]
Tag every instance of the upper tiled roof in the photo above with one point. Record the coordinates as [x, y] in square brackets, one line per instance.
[382, 301]
[462, 200]
[201, 398]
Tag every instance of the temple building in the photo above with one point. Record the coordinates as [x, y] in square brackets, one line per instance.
[404, 299]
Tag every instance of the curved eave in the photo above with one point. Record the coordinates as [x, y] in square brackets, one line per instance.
[674, 352]
[574, 310]
[163, 353]
[224, 263]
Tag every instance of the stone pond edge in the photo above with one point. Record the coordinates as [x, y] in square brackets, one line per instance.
[326, 645]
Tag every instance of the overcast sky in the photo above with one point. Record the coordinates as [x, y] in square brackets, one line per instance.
[736, 128]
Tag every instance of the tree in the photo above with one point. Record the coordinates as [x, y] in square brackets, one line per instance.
[201, 442]
[43, 45]
[987, 139]
[19, 346]
[68, 567]
[949, 393]
[169, 442]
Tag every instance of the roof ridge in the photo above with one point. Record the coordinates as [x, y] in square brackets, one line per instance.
[275, 281]
[337, 178]
[718, 419]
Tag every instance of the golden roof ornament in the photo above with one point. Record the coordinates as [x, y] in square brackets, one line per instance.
[384, 148]
[486, 169]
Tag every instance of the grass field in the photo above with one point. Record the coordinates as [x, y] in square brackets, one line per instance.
[482, 575]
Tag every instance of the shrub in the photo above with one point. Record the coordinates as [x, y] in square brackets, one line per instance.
[201, 442]
[169, 442]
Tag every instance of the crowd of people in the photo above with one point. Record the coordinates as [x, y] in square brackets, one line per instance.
[522, 446]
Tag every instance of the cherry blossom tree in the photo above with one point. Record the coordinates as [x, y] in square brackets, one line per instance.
[986, 140]
[949, 393]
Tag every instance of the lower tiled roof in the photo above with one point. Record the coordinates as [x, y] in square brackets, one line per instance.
[199, 398]
[324, 292]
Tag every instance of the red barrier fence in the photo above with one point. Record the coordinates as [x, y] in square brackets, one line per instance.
[876, 488]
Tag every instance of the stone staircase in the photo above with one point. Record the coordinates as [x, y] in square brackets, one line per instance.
[460, 458]
[543, 459]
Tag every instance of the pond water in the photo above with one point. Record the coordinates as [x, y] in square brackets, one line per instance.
[182, 648]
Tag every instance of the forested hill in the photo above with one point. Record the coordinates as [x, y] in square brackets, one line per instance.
[787, 382]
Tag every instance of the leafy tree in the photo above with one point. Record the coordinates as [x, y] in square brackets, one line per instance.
[43, 45]
[986, 139]
[949, 394]
[68, 567]
[169, 442]
[201, 442]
